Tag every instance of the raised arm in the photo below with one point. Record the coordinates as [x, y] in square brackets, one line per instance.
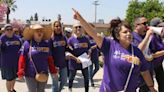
[88, 28]
[158, 54]
[142, 45]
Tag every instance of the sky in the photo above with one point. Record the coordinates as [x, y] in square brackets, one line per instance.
[50, 9]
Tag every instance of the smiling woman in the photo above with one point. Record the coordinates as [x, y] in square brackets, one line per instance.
[120, 74]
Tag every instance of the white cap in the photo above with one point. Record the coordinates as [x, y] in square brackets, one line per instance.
[67, 29]
[77, 23]
[6, 25]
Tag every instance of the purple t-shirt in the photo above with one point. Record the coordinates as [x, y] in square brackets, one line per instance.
[95, 52]
[39, 52]
[137, 39]
[10, 51]
[79, 45]
[157, 45]
[116, 68]
[59, 44]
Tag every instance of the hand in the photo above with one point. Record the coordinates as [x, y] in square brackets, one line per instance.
[149, 57]
[55, 75]
[20, 78]
[76, 16]
[152, 89]
[132, 59]
[67, 57]
[89, 53]
[149, 32]
[162, 34]
[78, 60]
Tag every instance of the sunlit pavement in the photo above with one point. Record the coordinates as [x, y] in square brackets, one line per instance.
[78, 85]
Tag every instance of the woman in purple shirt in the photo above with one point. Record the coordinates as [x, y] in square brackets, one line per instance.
[36, 57]
[59, 47]
[10, 45]
[79, 45]
[123, 62]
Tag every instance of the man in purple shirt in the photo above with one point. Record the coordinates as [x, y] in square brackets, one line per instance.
[10, 46]
[141, 37]
[157, 47]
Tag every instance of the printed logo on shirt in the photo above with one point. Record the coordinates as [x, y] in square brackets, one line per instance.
[91, 41]
[126, 57]
[80, 45]
[59, 43]
[8, 43]
[119, 55]
[40, 49]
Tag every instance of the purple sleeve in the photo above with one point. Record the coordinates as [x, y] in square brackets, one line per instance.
[68, 40]
[25, 48]
[105, 46]
[89, 44]
[3, 45]
[156, 44]
[50, 45]
[145, 65]
[135, 42]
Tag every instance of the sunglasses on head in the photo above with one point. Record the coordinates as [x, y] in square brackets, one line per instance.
[78, 27]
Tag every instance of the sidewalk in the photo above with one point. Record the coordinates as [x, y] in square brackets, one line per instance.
[78, 85]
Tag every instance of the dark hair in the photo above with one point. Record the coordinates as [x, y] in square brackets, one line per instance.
[137, 20]
[116, 25]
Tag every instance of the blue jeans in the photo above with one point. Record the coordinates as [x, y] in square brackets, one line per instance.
[58, 83]
[92, 71]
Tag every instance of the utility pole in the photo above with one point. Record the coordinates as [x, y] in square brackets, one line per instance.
[95, 3]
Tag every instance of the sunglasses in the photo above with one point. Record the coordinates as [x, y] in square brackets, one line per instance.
[9, 29]
[144, 23]
[78, 27]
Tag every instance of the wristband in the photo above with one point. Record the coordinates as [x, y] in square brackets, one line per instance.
[151, 86]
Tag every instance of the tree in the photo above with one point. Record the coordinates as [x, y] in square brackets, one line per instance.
[10, 7]
[31, 18]
[36, 17]
[148, 9]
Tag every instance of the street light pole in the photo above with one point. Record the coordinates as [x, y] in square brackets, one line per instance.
[95, 3]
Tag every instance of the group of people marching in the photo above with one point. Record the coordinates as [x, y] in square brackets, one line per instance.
[41, 49]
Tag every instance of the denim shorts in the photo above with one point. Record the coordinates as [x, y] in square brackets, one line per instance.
[9, 74]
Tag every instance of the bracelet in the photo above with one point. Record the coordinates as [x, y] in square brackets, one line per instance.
[151, 86]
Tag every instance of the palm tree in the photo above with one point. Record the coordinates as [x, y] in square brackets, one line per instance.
[10, 7]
